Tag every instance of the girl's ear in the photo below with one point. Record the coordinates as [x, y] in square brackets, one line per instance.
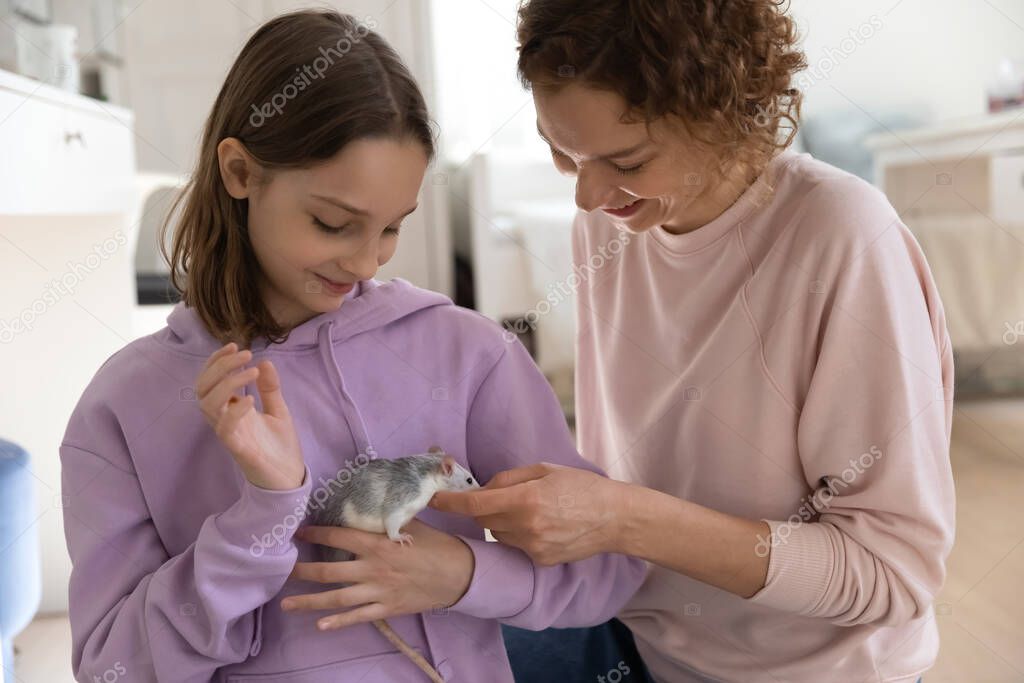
[447, 465]
[237, 168]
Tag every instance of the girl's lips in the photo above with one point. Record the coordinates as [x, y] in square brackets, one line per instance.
[334, 287]
[626, 211]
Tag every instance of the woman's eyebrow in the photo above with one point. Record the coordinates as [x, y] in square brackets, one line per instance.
[604, 157]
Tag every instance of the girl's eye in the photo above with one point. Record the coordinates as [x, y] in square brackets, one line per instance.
[329, 229]
[628, 170]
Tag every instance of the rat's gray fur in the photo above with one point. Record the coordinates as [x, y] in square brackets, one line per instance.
[374, 489]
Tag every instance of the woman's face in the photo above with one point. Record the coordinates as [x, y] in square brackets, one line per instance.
[640, 176]
[317, 231]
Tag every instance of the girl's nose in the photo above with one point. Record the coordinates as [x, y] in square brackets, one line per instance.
[363, 264]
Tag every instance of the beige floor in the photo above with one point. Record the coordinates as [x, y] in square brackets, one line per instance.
[980, 611]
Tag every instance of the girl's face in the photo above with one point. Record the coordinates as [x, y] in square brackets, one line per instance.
[317, 231]
[640, 176]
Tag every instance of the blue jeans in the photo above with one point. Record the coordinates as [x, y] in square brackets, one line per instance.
[599, 654]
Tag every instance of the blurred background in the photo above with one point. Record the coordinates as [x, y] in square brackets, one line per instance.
[101, 108]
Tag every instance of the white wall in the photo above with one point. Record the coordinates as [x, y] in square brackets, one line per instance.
[931, 56]
[934, 54]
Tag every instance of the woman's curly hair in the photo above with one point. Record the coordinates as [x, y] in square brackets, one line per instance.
[725, 68]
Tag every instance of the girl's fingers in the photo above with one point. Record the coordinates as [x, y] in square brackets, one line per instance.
[269, 386]
[236, 410]
[227, 348]
[209, 378]
[347, 571]
[359, 615]
[339, 598]
[213, 403]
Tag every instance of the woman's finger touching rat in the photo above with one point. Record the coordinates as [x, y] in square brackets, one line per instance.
[554, 513]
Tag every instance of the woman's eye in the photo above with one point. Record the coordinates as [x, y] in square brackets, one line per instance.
[330, 229]
[629, 169]
[394, 229]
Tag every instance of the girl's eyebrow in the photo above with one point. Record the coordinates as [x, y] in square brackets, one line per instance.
[353, 210]
[343, 205]
[604, 157]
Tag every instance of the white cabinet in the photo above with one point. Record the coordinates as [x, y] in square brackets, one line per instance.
[67, 173]
[63, 154]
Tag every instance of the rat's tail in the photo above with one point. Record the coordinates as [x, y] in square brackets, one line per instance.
[404, 648]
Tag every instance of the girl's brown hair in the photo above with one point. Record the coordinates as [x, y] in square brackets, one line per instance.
[305, 85]
[723, 67]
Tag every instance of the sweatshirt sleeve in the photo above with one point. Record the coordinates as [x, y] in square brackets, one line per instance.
[873, 436]
[136, 610]
[515, 420]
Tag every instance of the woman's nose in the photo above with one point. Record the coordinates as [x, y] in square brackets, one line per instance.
[591, 190]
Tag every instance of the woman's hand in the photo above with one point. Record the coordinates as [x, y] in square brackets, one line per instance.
[554, 513]
[264, 445]
[386, 578]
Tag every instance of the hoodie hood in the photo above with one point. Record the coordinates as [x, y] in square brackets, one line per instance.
[370, 305]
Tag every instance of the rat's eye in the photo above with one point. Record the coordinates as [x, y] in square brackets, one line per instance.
[469, 480]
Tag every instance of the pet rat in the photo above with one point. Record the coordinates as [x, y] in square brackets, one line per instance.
[383, 496]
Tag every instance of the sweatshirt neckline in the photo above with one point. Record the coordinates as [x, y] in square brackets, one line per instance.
[703, 236]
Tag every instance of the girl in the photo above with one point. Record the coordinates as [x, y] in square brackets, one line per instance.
[314, 152]
[766, 363]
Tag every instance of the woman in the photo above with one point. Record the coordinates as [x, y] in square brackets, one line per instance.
[765, 366]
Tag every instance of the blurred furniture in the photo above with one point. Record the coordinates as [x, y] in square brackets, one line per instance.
[516, 212]
[67, 253]
[20, 586]
[838, 137]
[156, 296]
[959, 186]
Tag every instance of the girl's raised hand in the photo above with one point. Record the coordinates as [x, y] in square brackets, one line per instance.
[264, 445]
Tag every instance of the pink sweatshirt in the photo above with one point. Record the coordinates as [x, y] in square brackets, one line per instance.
[788, 362]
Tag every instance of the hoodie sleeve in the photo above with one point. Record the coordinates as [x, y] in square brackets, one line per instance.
[136, 610]
[514, 420]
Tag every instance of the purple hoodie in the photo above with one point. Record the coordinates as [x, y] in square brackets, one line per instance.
[180, 564]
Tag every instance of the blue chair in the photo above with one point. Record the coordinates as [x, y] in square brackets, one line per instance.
[20, 579]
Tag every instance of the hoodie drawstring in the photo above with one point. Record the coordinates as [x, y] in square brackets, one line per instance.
[349, 408]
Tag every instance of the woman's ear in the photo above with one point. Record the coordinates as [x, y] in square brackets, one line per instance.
[237, 168]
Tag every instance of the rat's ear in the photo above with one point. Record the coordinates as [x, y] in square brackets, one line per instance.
[435, 449]
[448, 465]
